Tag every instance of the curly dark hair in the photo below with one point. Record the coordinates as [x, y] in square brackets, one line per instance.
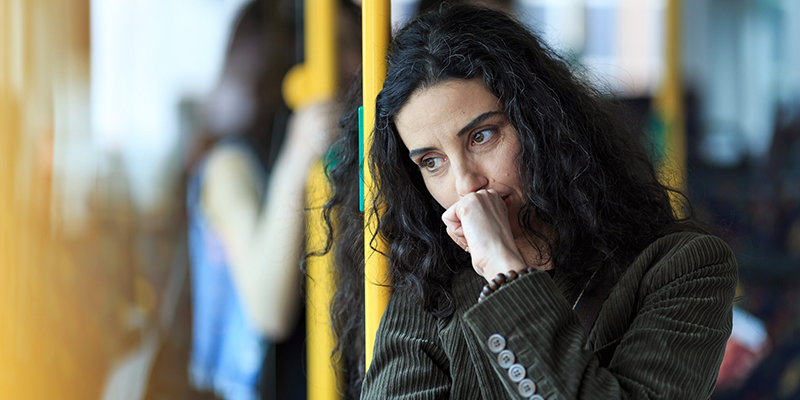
[347, 233]
[585, 170]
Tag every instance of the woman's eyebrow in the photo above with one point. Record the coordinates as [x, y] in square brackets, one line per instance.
[468, 127]
[483, 117]
[415, 152]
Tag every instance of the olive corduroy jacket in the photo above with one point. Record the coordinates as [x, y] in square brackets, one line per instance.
[660, 334]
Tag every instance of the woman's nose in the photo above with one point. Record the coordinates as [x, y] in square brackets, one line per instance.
[469, 180]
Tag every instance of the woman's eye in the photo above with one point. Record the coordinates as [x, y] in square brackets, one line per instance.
[482, 136]
[431, 163]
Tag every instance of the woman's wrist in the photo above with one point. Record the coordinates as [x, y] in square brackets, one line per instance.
[503, 263]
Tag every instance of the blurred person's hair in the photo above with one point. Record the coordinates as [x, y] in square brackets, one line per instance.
[247, 101]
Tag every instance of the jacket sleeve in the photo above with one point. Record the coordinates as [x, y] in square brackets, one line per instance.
[408, 363]
[671, 350]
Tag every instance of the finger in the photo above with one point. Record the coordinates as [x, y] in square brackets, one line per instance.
[460, 240]
[492, 196]
[454, 227]
[491, 199]
[449, 216]
[452, 220]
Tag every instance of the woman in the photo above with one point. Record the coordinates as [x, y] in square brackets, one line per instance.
[503, 175]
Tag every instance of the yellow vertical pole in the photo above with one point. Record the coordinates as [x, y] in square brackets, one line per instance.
[304, 84]
[376, 25]
[322, 381]
[669, 103]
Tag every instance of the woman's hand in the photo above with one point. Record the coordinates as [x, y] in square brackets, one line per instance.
[479, 224]
[308, 132]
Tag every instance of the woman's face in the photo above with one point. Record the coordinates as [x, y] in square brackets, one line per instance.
[458, 135]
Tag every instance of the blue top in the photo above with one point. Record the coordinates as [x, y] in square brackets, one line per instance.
[227, 350]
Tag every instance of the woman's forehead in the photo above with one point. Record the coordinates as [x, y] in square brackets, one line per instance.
[445, 107]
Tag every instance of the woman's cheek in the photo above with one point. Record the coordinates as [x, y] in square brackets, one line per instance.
[440, 194]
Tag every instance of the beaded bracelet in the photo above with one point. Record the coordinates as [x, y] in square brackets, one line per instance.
[500, 280]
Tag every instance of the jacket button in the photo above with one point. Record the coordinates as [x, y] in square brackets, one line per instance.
[505, 358]
[536, 397]
[496, 343]
[516, 372]
[527, 388]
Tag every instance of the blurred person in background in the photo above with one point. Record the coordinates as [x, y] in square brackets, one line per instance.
[245, 206]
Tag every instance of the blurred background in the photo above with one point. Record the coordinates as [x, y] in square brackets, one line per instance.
[103, 113]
